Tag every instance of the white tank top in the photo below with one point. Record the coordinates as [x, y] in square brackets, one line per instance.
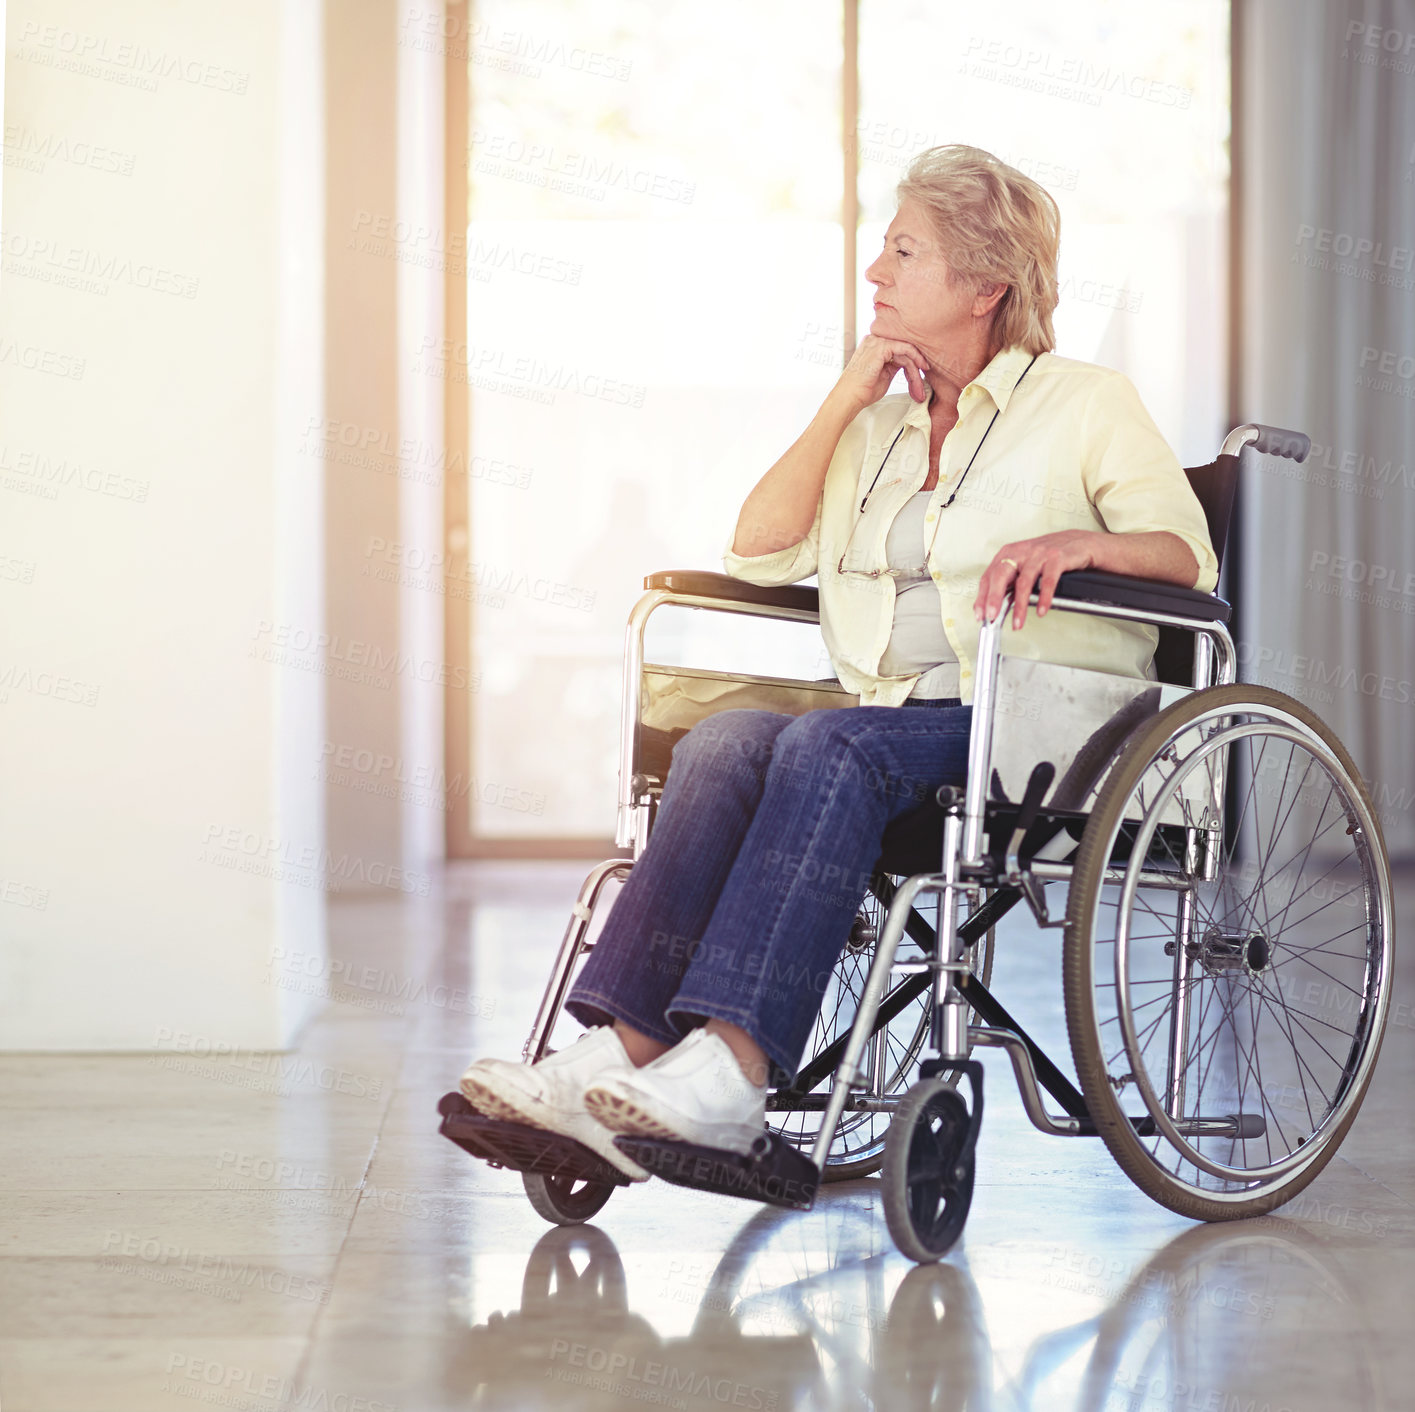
[917, 642]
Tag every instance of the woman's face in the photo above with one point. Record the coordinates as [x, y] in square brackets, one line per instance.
[914, 300]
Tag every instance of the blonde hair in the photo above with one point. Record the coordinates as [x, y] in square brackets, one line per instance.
[995, 225]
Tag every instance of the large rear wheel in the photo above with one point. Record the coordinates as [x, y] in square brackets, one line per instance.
[1228, 952]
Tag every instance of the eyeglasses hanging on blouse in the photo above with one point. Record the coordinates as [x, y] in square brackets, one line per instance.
[894, 573]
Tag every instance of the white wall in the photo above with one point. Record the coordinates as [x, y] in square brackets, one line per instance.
[161, 827]
[382, 749]
[421, 91]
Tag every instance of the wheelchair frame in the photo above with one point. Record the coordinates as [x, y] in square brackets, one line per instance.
[957, 865]
[967, 870]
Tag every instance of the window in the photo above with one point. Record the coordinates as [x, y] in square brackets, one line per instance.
[1122, 114]
[654, 300]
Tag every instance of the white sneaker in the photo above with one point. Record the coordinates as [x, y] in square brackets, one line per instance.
[695, 1092]
[550, 1093]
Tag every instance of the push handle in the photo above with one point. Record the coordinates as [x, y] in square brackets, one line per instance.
[1276, 441]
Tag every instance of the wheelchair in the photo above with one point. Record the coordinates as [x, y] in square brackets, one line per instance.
[1228, 929]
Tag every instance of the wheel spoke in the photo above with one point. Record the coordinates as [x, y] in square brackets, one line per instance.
[1265, 873]
[1306, 960]
[1301, 1060]
[1262, 939]
[858, 1143]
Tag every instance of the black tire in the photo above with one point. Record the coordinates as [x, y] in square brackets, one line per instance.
[565, 1200]
[1221, 724]
[927, 1176]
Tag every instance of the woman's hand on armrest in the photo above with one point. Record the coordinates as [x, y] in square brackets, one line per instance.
[1034, 565]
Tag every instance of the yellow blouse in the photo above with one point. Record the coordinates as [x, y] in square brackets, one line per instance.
[1072, 448]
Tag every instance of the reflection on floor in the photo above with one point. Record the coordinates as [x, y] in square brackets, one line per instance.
[290, 1232]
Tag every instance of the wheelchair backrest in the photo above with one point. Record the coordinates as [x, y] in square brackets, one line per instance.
[1215, 486]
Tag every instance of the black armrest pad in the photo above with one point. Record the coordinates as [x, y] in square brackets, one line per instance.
[1087, 585]
[709, 585]
[1093, 586]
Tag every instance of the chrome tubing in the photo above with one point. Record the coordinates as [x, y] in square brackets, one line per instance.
[1208, 627]
[1218, 637]
[631, 826]
[628, 828]
[570, 946]
[878, 1060]
[1026, 1080]
[949, 1022]
[1214, 642]
[1203, 662]
[1231, 1125]
[1178, 1056]
[889, 938]
[1238, 438]
[1064, 872]
[980, 736]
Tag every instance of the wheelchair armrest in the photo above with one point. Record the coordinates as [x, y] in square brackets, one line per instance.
[1083, 585]
[703, 584]
[1145, 595]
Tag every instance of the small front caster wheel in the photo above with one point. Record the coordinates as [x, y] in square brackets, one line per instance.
[565, 1200]
[928, 1171]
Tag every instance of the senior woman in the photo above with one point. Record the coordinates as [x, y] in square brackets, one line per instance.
[1002, 467]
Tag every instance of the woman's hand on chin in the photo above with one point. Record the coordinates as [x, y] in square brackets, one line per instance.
[872, 366]
[1032, 564]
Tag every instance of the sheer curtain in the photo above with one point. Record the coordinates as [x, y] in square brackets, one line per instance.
[1325, 106]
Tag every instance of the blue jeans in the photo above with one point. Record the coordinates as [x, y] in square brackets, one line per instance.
[766, 835]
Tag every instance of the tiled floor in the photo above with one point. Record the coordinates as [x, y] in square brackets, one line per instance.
[290, 1231]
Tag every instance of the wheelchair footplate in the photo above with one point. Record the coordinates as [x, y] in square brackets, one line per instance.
[774, 1171]
[521, 1147]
